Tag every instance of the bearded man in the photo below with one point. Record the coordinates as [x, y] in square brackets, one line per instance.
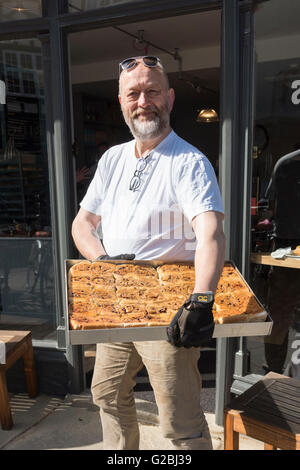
[155, 177]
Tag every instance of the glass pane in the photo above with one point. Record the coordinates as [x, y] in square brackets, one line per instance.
[26, 263]
[19, 9]
[81, 5]
[276, 182]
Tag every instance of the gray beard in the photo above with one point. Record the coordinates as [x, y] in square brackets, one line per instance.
[146, 130]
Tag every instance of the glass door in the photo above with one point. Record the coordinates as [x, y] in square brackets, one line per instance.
[189, 48]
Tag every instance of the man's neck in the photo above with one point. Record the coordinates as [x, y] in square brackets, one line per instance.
[144, 147]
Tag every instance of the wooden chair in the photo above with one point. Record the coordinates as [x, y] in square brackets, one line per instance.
[16, 344]
[269, 411]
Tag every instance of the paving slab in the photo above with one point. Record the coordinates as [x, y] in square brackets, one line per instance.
[27, 412]
[73, 423]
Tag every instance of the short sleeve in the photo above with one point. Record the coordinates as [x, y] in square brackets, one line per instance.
[197, 188]
[93, 198]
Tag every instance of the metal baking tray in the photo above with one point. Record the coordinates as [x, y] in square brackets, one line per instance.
[155, 333]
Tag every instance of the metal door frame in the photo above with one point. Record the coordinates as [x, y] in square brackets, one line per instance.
[237, 83]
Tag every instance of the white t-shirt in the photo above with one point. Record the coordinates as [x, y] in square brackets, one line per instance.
[153, 222]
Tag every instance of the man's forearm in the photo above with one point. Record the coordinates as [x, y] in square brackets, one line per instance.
[87, 240]
[209, 262]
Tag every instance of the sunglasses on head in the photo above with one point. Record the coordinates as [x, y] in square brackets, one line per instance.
[148, 60]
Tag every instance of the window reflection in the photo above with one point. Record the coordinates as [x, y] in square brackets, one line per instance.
[24, 195]
[27, 296]
[276, 181]
[81, 5]
[11, 10]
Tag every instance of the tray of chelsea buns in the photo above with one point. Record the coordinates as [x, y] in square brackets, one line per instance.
[120, 301]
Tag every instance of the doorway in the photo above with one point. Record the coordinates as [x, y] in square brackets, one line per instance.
[189, 48]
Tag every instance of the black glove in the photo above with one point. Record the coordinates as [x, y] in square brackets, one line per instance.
[103, 257]
[193, 324]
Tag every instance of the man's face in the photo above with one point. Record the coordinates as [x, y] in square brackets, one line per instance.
[146, 101]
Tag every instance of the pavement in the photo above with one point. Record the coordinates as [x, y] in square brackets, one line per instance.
[73, 423]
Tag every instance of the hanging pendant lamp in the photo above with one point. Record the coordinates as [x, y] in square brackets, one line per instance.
[207, 115]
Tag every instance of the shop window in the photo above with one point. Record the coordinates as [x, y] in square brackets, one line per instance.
[12, 10]
[276, 182]
[27, 296]
[81, 5]
[23, 72]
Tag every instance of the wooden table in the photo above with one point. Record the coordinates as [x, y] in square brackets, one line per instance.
[17, 344]
[266, 258]
[268, 411]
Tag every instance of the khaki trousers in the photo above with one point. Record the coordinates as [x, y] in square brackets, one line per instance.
[175, 379]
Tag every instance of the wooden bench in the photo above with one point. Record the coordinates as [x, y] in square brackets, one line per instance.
[16, 344]
[269, 411]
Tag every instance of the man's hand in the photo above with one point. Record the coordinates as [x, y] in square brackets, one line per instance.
[82, 174]
[125, 256]
[193, 324]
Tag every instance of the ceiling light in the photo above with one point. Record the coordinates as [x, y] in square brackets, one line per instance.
[207, 115]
